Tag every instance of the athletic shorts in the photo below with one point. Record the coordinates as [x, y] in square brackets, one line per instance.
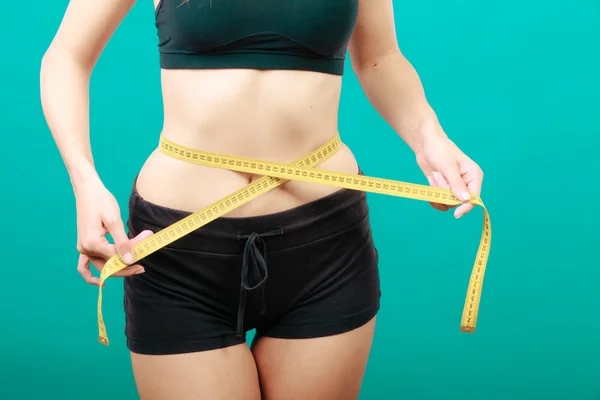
[308, 272]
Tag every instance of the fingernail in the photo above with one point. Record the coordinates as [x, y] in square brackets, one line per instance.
[141, 271]
[429, 180]
[128, 258]
[466, 196]
[436, 176]
[459, 215]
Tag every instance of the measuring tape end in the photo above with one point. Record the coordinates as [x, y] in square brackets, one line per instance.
[103, 340]
[467, 329]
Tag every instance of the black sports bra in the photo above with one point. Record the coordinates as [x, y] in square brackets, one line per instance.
[308, 35]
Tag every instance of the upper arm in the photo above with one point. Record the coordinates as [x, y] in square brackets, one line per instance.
[375, 33]
[86, 28]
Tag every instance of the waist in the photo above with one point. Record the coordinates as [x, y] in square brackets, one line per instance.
[181, 185]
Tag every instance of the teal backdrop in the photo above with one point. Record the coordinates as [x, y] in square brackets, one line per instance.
[514, 83]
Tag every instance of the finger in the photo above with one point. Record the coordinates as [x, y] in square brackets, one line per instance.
[141, 236]
[134, 269]
[437, 206]
[93, 243]
[456, 182]
[97, 263]
[462, 210]
[474, 181]
[98, 260]
[137, 268]
[122, 243]
[131, 270]
[83, 267]
[442, 183]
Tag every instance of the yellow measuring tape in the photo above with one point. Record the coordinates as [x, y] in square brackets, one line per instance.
[275, 174]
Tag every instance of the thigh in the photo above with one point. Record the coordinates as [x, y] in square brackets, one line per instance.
[201, 375]
[325, 368]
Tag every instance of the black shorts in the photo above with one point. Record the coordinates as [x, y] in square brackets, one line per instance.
[303, 273]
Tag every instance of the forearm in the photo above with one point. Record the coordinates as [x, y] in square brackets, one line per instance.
[394, 88]
[64, 88]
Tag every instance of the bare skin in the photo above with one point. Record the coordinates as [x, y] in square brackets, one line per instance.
[272, 115]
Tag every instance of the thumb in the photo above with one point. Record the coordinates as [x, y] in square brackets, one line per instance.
[141, 236]
[456, 182]
[136, 268]
[124, 247]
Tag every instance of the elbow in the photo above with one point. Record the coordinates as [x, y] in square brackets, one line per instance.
[358, 64]
[56, 60]
[46, 62]
[51, 58]
[362, 64]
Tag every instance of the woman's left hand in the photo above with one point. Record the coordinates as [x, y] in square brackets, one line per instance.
[446, 166]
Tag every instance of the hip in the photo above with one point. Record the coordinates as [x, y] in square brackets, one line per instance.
[306, 272]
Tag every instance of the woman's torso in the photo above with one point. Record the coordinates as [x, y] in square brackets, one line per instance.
[277, 115]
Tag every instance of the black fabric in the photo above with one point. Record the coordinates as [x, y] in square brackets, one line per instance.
[307, 272]
[259, 34]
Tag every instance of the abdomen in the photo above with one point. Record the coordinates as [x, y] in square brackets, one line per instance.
[271, 115]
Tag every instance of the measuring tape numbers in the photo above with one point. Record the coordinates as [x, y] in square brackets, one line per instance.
[275, 174]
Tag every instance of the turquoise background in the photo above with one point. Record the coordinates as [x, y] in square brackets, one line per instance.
[514, 83]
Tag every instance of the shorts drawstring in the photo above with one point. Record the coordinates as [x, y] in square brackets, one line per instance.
[254, 272]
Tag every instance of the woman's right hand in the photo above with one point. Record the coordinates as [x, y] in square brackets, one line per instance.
[98, 214]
